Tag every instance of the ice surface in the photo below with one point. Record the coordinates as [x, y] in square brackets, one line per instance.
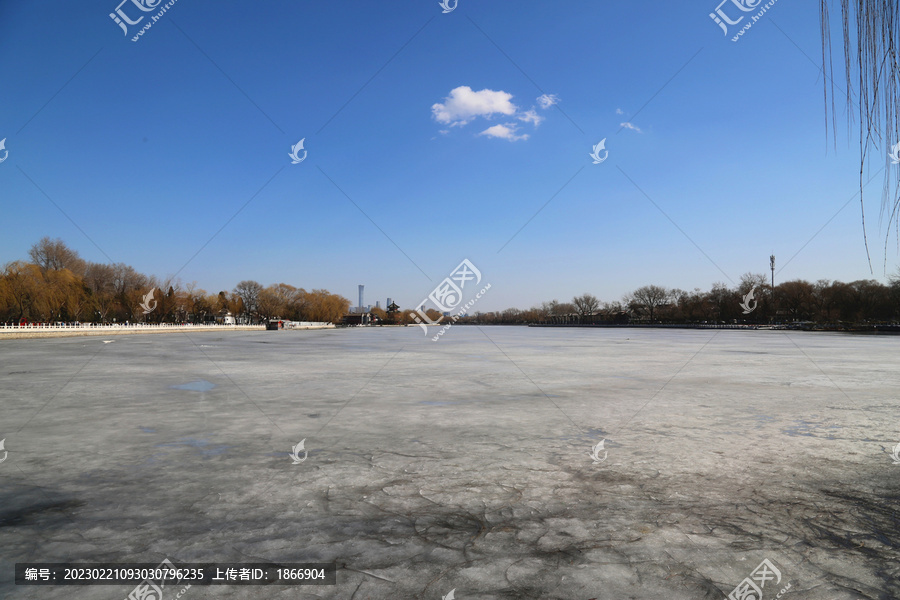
[460, 464]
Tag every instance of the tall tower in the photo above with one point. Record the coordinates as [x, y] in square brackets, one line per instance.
[362, 307]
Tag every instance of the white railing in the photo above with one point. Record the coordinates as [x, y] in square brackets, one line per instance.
[146, 326]
[116, 326]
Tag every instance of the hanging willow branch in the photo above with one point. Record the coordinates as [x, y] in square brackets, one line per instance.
[876, 63]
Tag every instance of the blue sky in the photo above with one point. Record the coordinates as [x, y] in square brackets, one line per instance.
[151, 147]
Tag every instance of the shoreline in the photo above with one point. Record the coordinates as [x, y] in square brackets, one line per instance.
[29, 333]
[23, 335]
[813, 327]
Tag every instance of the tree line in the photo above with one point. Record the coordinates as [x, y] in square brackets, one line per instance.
[860, 302]
[58, 285]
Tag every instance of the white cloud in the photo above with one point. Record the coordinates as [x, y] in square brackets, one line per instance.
[627, 125]
[506, 132]
[547, 100]
[463, 105]
[619, 111]
[531, 116]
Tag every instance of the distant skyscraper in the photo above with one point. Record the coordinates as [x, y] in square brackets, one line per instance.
[378, 304]
[389, 302]
[361, 306]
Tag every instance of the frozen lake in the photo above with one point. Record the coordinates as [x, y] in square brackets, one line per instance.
[463, 464]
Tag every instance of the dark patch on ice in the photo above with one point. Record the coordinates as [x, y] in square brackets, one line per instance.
[201, 385]
[591, 436]
[762, 420]
[147, 430]
[872, 522]
[592, 432]
[314, 416]
[454, 530]
[207, 450]
[807, 428]
[28, 514]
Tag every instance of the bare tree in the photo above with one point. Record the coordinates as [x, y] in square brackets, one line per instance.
[649, 298]
[556, 311]
[894, 279]
[550, 308]
[751, 280]
[248, 291]
[130, 287]
[586, 305]
[612, 308]
[872, 299]
[54, 255]
[894, 292]
[100, 282]
[723, 302]
[797, 298]
[126, 279]
[762, 293]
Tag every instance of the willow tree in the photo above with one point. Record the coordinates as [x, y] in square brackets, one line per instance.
[871, 44]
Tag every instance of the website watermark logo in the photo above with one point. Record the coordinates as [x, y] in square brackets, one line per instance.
[148, 298]
[894, 154]
[148, 588]
[6, 452]
[462, 312]
[450, 596]
[595, 452]
[723, 20]
[121, 18]
[296, 159]
[596, 153]
[751, 587]
[448, 296]
[296, 450]
[895, 454]
[448, 6]
[748, 298]
[3, 148]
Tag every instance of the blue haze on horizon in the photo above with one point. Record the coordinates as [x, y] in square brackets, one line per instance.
[150, 147]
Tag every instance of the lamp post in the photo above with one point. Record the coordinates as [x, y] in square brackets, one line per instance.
[772, 266]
